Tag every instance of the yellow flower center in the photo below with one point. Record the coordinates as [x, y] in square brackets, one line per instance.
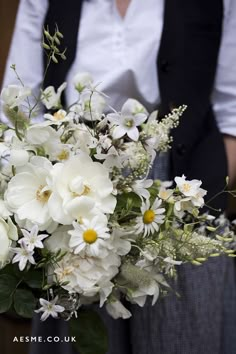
[129, 123]
[59, 115]
[64, 155]
[163, 194]
[90, 236]
[86, 191]
[186, 187]
[148, 216]
[42, 196]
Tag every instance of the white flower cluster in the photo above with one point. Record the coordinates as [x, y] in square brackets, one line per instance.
[76, 201]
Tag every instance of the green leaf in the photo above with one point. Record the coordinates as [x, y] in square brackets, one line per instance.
[90, 332]
[34, 279]
[24, 303]
[7, 286]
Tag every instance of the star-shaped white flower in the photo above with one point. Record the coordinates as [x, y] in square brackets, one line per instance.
[23, 255]
[32, 239]
[127, 122]
[49, 308]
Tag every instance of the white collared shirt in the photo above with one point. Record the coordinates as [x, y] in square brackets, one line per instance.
[121, 53]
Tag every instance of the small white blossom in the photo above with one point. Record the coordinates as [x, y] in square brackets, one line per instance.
[49, 308]
[23, 255]
[126, 123]
[32, 239]
[140, 187]
[50, 98]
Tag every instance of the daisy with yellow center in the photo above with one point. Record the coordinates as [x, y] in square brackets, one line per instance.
[152, 217]
[89, 238]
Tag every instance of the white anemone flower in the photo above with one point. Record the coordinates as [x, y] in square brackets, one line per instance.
[23, 256]
[49, 308]
[152, 217]
[79, 187]
[127, 122]
[14, 95]
[58, 117]
[89, 237]
[188, 188]
[32, 239]
[50, 98]
[28, 191]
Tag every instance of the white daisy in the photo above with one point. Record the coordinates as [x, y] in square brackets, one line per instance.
[152, 217]
[49, 308]
[89, 237]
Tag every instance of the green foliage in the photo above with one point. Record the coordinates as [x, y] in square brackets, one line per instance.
[90, 332]
[8, 285]
[24, 303]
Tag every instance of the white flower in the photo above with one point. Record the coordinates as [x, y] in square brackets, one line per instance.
[111, 159]
[152, 217]
[140, 187]
[93, 105]
[82, 80]
[119, 241]
[8, 233]
[49, 308]
[44, 137]
[50, 98]
[28, 191]
[188, 188]
[58, 117]
[14, 95]
[172, 261]
[126, 123]
[59, 240]
[87, 275]
[166, 194]
[89, 237]
[23, 255]
[4, 212]
[79, 187]
[139, 295]
[83, 139]
[117, 310]
[32, 239]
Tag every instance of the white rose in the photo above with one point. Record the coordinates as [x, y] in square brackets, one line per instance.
[80, 187]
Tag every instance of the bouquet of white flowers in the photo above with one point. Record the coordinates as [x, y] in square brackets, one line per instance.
[80, 220]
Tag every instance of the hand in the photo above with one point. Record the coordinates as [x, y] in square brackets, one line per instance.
[230, 146]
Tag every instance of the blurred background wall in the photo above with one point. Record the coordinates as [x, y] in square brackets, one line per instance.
[10, 327]
[8, 10]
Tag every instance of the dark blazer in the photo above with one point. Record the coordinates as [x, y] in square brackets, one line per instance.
[186, 63]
